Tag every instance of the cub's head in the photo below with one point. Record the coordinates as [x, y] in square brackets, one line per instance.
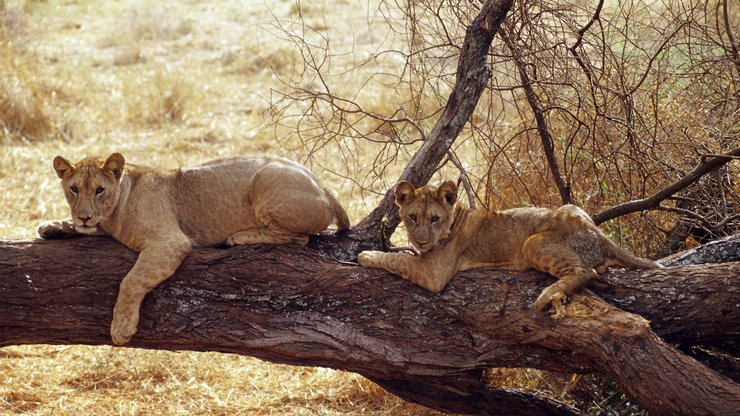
[91, 187]
[427, 212]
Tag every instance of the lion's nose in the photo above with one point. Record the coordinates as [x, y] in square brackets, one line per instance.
[84, 218]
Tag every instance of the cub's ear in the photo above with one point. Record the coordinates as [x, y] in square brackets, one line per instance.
[114, 165]
[62, 166]
[404, 191]
[448, 192]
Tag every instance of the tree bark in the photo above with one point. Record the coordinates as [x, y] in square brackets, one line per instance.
[293, 305]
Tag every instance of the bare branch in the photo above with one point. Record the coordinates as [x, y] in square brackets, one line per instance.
[539, 116]
[464, 179]
[706, 165]
[733, 46]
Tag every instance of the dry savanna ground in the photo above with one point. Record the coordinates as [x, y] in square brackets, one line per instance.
[167, 84]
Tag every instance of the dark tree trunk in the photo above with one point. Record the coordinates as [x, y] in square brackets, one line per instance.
[292, 305]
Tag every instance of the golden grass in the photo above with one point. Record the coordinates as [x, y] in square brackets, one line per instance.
[106, 380]
[22, 98]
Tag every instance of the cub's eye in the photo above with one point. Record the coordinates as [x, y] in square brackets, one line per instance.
[435, 218]
[73, 189]
[412, 217]
[99, 191]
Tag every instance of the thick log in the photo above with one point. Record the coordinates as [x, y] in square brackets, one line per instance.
[292, 305]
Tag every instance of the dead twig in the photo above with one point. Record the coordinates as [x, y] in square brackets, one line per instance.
[463, 179]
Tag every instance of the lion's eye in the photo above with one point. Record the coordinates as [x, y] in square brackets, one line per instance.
[73, 189]
[99, 191]
[435, 218]
[412, 217]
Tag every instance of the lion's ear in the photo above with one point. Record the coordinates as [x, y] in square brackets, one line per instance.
[448, 192]
[62, 166]
[114, 165]
[404, 191]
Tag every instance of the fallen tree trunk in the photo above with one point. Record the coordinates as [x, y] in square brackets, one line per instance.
[293, 305]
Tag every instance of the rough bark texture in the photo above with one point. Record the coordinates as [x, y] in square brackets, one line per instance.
[293, 305]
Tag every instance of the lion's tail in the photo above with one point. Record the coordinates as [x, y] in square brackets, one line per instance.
[627, 259]
[340, 215]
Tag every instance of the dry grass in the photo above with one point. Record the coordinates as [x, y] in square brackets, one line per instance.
[167, 85]
[104, 380]
[22, 98]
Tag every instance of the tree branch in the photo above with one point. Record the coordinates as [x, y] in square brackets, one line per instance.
[539, 115]
[463, 179]
[706, 165]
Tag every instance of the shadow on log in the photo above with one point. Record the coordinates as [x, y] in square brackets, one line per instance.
[293, 305]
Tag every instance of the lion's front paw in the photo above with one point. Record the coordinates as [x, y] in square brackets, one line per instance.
[232, 241]
[370, 258]
[123, 326]
[552, 294]
[55, 229]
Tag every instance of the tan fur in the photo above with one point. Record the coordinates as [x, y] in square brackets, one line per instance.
[449, 238]
[164, 213]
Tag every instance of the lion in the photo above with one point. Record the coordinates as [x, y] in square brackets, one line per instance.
[449, 238]
[163, 214]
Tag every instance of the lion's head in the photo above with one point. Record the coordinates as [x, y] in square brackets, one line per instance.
[427, 212]
[91, 187]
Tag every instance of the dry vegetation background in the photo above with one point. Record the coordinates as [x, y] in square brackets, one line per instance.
[347, 88]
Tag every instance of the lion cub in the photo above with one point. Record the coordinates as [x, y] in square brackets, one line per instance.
[164, 213]
[449, 238]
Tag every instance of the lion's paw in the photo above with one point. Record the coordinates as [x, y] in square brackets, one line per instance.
[551, 294]
[232, 241]
[123, 327]
[54, 230]
[369, 258]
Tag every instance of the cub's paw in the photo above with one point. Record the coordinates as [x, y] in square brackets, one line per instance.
[123, 327]
[232, 241]
[55, 229]
[370, 258]
[551, 294]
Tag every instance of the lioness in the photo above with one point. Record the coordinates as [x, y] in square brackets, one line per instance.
[164, 213]
[449, 238]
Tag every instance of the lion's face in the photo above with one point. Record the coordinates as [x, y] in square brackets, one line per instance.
[91, 187]
[427, 212]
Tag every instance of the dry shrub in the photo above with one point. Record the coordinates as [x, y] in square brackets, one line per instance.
[128, 55]
[21, 107]
[157, 99]
[250, 61]
[22, 96]
[144, 23]
[151, 24]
